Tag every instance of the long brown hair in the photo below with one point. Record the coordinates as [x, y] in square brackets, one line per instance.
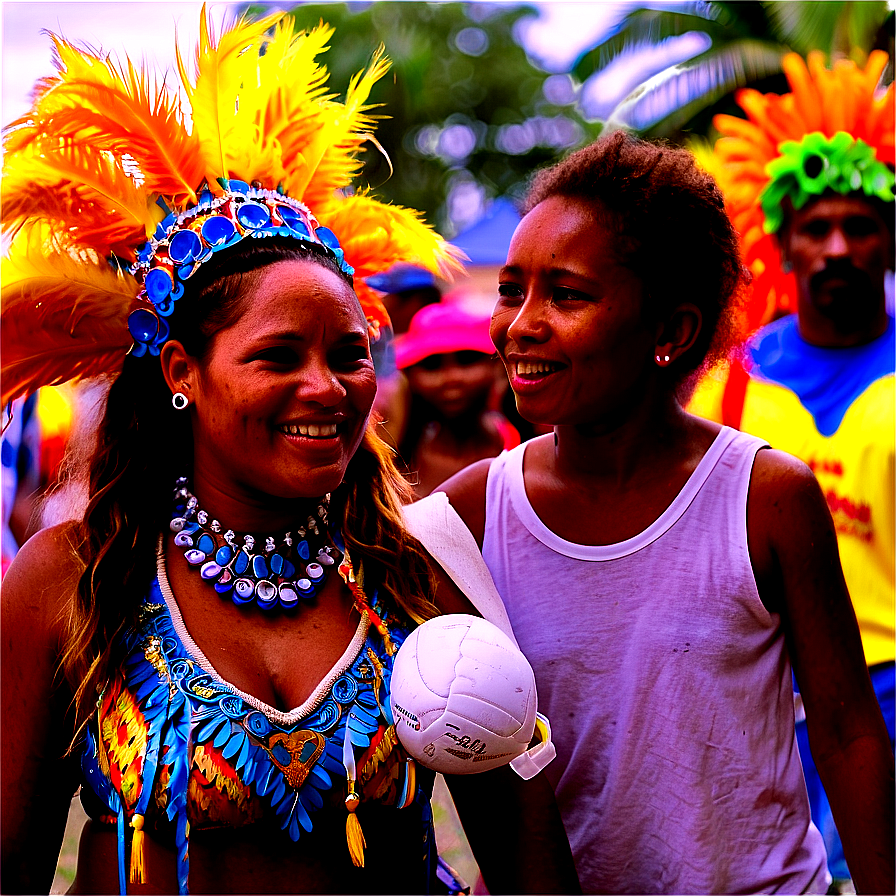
[143, 445]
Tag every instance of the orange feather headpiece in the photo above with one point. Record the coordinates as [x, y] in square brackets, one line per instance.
[837, 118]
[113, 183]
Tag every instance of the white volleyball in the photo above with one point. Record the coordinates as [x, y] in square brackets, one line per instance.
[462, 695]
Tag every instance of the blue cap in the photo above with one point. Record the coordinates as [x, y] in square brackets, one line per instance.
[401, 278]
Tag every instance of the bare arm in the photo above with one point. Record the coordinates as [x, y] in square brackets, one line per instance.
[515, 831]
[793, 545]
[37, 781]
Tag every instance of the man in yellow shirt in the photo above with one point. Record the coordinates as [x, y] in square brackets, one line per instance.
[819, 383]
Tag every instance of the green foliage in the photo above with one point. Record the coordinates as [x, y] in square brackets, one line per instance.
[748, 40]
[467, 117]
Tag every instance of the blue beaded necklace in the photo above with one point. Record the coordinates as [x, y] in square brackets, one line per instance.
[278, 575]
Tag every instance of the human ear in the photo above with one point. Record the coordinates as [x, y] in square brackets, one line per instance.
[178, 368]
[678, 333]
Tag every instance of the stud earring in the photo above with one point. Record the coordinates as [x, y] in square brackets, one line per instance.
[663, 360]
[787, 267]
[179, 401]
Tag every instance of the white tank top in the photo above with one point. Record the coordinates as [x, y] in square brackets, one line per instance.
[668, 688]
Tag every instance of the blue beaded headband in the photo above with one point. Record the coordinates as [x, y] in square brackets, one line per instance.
[182, 242]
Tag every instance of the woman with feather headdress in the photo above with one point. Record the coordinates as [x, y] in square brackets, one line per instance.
[208, 652]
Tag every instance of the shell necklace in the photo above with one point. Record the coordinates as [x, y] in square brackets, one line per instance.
[278, 575]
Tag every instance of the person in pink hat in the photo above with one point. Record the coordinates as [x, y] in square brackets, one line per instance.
[454, 381]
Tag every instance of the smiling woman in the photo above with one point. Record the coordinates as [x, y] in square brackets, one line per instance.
[208, 653]
[662, 573]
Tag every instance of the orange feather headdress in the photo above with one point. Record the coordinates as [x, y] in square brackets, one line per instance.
[835, 130]
[116, 188]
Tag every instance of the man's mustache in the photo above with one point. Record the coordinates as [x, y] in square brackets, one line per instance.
[841, 270]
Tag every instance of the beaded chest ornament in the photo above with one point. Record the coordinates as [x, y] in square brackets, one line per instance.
[277, 575]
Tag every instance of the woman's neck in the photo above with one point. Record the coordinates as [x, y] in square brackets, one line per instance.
[619, 450]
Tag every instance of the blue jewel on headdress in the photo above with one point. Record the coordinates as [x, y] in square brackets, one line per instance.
[143, 325]
[217, 229]
[293, 220]
[185, 246]
[253, 216]
[164, 225]
[148, 330]
[205, 198]
[166, 306]
[327, 237]
[239, 186]
[158, 285]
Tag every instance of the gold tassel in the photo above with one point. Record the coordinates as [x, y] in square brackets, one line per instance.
[138, 864]
[353, 834]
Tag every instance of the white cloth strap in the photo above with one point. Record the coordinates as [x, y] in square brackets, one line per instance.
[435, 523]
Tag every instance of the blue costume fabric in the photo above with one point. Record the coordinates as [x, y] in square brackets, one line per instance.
[174, 743]
[827, 381]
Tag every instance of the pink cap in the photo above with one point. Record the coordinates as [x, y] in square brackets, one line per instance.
[443, 327]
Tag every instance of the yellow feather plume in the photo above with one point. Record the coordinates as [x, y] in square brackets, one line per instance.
[215, 97]
[330, 162]
[278, 87]
[375, 236]
[106, 150]
[62, 317]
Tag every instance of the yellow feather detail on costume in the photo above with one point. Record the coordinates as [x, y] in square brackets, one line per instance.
[375, 236]
[330, 148]
[119, 111]
[350, 128]
[61, 318]
[215, 96]
[279, 86]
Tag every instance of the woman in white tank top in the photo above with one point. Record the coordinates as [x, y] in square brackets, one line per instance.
[660, 573]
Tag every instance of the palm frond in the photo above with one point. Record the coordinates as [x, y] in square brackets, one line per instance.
[645, 27]
[666, 103]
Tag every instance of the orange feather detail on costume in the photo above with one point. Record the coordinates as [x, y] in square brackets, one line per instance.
[216, 795]
[381, 766]
[843, 99]
[78, 308]
[114, 109]
[81, 189]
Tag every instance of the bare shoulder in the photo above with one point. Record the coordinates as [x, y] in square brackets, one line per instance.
[790, 529]
[466, 492]
[783, 484]
[44, 574]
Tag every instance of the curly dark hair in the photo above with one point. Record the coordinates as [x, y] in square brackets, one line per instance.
[672, 231]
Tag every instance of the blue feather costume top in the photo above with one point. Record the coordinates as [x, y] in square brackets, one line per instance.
[172, 742]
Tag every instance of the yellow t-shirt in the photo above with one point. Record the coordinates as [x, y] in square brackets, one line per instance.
[854, 465]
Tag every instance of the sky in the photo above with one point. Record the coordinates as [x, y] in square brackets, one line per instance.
[147, 29]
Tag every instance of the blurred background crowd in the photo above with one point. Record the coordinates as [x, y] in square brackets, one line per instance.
[480, 95]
